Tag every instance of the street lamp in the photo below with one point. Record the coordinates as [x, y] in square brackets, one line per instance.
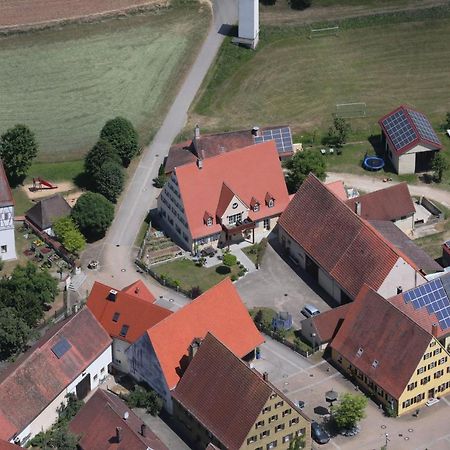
[387, 440]
[313, 335]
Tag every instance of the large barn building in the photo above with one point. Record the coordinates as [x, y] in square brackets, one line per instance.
[409, 140]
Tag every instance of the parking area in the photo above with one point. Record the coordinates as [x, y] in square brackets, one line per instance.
[280, 286]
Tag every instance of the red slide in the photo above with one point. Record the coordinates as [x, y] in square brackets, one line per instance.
[43, 182]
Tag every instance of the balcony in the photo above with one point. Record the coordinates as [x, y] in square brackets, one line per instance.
[239, 226]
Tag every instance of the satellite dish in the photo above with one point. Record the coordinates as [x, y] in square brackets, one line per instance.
[126, 414]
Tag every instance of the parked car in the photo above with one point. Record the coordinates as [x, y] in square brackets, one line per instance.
[310, 311]
[319, 434]
[300, 404]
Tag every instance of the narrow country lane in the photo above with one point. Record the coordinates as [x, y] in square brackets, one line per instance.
[117, 252]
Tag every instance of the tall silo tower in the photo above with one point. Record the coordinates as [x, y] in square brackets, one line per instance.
[248, 22]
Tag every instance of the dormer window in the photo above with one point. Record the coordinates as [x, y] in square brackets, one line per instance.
[359, 352]
[375, 363]
[270, 203]
[208, 219]
[209, 222]
[270, 200]
[256, 207]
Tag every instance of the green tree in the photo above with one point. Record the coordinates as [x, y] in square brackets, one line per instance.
[63, 439]
[18, 148]
[123, 137]
[297, 443]
[301, 164]
[439, 166]
[93, 214]
[99, 154]
[161, 179]
[300, 4]
[141, 397]
[14, 333]
[229, 259]
[69, 235]
[338, 133]
[110, 180]
[349, 411]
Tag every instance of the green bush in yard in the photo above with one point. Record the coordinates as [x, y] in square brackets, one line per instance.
[229, 259]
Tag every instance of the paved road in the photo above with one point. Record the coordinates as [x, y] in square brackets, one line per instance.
[369, 184]
[117, 250]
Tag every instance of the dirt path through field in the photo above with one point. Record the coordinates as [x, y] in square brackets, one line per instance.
[278, 16]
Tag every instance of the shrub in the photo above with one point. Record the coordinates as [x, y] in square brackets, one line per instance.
[100, 153]
[110, 180]
[141, 397]
[234, 277]
[69, 235]
[195, 292]
[300, 4]
[229, 259]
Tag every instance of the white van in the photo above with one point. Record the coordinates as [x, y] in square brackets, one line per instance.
[310, 311]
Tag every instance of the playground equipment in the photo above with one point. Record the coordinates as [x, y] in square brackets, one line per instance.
[39, 183]
[373, 163]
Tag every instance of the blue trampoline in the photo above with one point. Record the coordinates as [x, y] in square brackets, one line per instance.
[373, 163]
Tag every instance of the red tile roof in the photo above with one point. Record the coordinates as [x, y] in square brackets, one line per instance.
[219, 310]
[96, 424]
[136, 310]
[250, 172]
[7, 446]
[341, 242]
[6, 198]
[38, 377]
[338, 189]
[384, 334]
[391, 203]
[179, 154]
[327, 323]
[223, 393]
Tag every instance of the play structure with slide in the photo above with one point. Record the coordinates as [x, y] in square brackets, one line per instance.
[40, 184]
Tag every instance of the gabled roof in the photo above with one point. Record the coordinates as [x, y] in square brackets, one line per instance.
[393, 234]
[405, 128]
[46, 211]
[223, 393]
[327, 323]
[6, 198]
[385, 335]
[250, 171]
[7, 446]
[39, 376]
[140, 290]
[391, 203]
[340, 241]
[97, 420]
[225, 197]
[219, 310]
[338, 189]
[136, 311]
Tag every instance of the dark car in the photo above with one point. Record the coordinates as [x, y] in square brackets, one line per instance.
[319, 434]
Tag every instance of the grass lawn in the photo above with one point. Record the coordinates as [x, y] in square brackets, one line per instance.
[21, 202]
[189, 275]
[60, 171]
[251, 252]
[295, 80]
[65, 83]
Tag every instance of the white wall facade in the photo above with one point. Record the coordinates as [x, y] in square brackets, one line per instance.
[7, 237]
[98, 370]
[119, 357]
[401, 275]
[406, 224]
[249, 19]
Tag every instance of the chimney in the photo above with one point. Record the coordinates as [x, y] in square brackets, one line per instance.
[126, 414]
[434, 330]
[196, 132]
[200, 163]
[143, 429]
[195, 344]
[399, 290]
[358, 208]
[136, 291]
[118, 434]
[255, 131]
[112, 295]
[265, 376]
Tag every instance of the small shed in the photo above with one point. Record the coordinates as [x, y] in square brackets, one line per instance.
[409, 140]
[44, 213]
[282, 321]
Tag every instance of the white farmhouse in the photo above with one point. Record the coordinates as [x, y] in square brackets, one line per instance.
[7, 239]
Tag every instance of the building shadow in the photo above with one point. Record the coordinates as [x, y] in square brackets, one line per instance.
[228, 30]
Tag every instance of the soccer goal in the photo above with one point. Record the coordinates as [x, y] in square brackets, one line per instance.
[350, 110]
[322, 32]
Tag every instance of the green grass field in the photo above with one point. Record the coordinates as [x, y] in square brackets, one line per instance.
[65, 83]
[295, 80]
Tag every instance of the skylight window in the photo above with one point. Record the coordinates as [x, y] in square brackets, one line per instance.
[375, 363]
[116, 317]
[124, 330]
[359, 352]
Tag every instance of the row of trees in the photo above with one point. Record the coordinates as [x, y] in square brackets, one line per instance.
[24, 297]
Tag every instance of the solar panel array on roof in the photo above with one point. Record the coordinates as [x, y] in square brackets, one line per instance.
[399, 129]
[434, 297]
[424, 127]
[281, 136]
[61, 347]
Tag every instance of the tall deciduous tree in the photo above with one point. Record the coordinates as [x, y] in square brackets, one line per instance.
[93, 214]
[439, 166]
[123, 137]
[350, 410]
[301, 164]
[69, 235]
[14, 333]
[110, 180]
[99, 154]
[18, 148]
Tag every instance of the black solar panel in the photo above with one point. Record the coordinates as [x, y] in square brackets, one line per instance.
[424, 127]
[434, 298]
[281, 136]
[61, 347]
[399, 129]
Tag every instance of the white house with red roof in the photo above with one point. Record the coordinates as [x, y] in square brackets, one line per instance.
[409, 139]
[224, 199]
[7, 238]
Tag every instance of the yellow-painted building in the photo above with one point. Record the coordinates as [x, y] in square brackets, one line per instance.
[221, 400]
[389, 355]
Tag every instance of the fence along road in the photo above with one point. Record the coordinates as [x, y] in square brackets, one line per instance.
[117, 253]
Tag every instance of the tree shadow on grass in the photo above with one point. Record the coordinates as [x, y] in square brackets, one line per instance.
[84, 181]
[223, 270]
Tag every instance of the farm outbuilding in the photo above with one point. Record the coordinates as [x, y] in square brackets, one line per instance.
[409, 140]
